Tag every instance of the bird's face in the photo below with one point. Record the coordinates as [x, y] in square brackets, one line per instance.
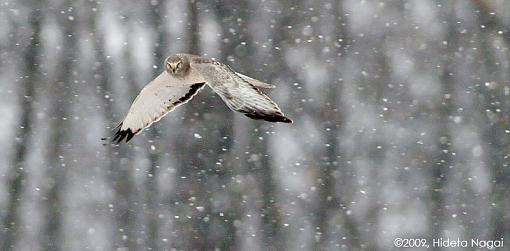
[177, 66]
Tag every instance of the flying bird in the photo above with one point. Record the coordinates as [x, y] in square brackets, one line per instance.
[183, 77]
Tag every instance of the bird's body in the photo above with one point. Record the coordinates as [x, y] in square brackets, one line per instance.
[184, 76]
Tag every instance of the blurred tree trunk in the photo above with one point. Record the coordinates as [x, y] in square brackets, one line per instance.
[190, 193]
[118, 172]
[497, 102]
[17, 175]
[236, 51]
[270, 211]
[61, 102]
[439, 171]
[331, 118]
[328, 201]
[157, 20]
[204, 176]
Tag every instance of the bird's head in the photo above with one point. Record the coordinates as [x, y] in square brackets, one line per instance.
[177, 66]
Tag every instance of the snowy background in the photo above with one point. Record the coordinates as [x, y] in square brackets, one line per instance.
[401, 111]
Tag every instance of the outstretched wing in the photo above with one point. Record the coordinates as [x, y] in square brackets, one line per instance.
[238, 93]
[255, 82]
[158, 98]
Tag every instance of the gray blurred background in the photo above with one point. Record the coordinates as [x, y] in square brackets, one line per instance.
[401, 113]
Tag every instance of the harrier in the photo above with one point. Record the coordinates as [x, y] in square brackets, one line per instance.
[183, 77]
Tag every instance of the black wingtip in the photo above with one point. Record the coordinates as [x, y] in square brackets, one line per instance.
[270, 117]
[286, 120]
[123, 134]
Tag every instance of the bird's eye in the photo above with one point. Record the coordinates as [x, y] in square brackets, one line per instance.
[179, 65]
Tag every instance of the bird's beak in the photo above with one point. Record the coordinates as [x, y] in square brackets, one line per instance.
[173, 66]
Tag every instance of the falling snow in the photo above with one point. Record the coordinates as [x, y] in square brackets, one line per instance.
[401, 111]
